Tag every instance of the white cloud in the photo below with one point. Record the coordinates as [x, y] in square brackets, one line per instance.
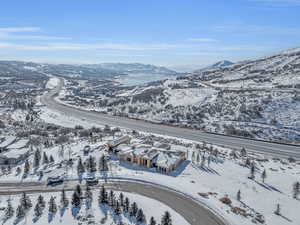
[202, 39]
[13, 33]
[80, 46]
[18, 29]
[6, 36]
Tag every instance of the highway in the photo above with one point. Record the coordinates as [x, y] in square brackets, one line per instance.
[190, 210]
[269, 148]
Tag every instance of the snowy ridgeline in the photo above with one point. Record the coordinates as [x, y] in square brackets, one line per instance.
[257, 99]
[67, 208]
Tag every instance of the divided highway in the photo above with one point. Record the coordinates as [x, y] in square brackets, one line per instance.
[274, 149]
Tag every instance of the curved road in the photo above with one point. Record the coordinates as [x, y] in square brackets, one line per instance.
[274, 149]
[189, 209]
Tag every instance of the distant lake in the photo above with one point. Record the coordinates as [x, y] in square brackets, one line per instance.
[140, 78]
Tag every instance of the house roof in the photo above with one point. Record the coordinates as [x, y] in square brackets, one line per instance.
[166, 159]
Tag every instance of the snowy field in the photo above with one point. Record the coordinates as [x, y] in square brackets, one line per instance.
[97, 214]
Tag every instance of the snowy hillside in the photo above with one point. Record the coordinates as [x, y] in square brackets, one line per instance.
[217, 65]
[257, 99]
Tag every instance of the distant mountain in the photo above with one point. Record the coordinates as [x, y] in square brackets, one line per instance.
[132, 68]
[217, 65]
[279, 70]
[102, 70]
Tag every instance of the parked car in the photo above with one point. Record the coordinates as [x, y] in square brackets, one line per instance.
[91, 181]
[55, 181]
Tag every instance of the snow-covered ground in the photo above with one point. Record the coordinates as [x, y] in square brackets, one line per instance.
[52, 83]
[67, 216]
[223, 177]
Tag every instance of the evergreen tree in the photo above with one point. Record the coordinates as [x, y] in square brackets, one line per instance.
[121, 199]
[37, 158]
[193, 156]
[51, 159]
[26, 167]
[64, 202]
[296, 189]
[52, 205]
[247, 162]
[45, 159]
[9, 210]
[117, 208]
[209, 160]
[202, 161]
[20, 213]
[88, 197]
[252, 171]
[91, 164]
[238, 195]
[80, 167]
[38, 210]
[152, 221]
[19, 170]
[25, 202]
[41, 201]
[133, 210]
[198, 158]
[103, 165]
[243, 152]
[140, 217]
[111, 198]
[126, 205]
[278, 209]
[264, 175]
[78, 190]
[76, 200]
[166, 219]
[103, 197]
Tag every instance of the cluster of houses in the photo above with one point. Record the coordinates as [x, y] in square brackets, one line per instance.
[160, 157]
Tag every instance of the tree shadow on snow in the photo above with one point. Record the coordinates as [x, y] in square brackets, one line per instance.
[179, 169]
[289, 220]
[268, 187]
[18, 220]
[104, 208]
[75, 211]
[62, 211]
[50, 217]
[206, 169]
[35, 219]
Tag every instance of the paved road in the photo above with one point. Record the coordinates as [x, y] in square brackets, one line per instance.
[270, 148]
[190, 210]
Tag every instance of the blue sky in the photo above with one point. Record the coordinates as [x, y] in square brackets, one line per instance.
[162, 32]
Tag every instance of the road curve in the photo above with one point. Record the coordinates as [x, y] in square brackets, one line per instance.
[270, 148]
[190, 210]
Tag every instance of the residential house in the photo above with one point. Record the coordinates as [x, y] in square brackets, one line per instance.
[147, 156]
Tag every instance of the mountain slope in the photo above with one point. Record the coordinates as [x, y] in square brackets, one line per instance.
[280, 70]
[258, 99]
[217, 65]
